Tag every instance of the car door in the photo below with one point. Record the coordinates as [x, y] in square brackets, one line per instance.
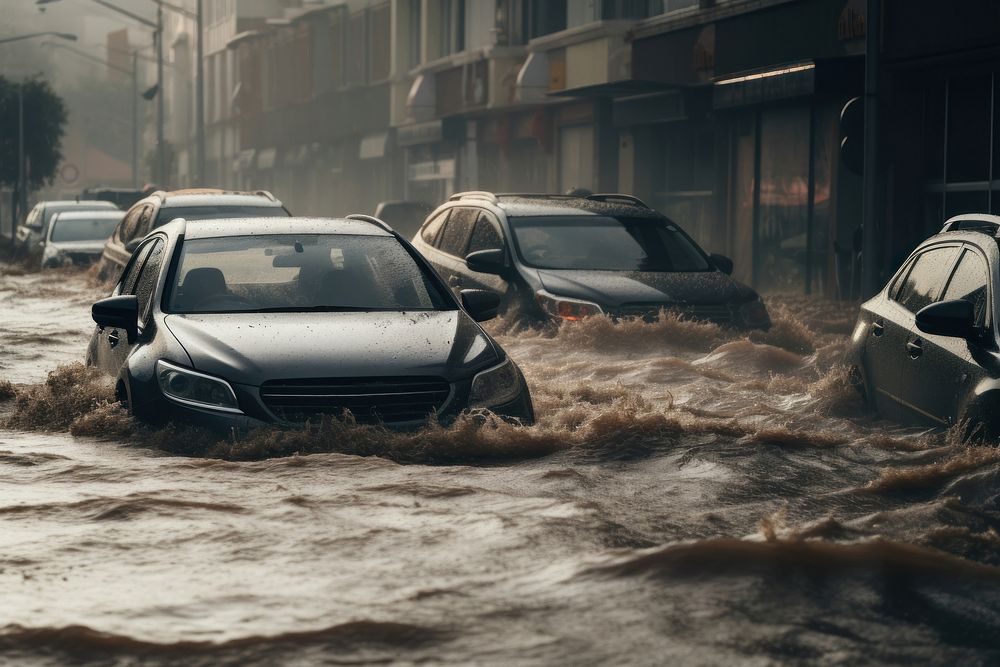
[944, 367]
[886, 354]
[451, 245]
[924, 285]
[486, 235]
[113, 345]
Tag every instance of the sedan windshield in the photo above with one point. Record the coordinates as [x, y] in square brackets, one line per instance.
[70, 230]
[300, 273]
[602, 243]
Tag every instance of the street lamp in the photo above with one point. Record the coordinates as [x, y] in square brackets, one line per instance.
[200, 76]
[134, 72]
[22, 167]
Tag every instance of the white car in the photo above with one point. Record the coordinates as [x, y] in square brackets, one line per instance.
[78, 237]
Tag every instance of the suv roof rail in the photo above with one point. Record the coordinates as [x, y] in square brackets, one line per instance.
[474, 194]
[371, 219]
[973, 222]
[534, 195]
[617, 198]
[265, 193]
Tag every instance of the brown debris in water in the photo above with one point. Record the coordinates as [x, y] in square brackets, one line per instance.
[68, 394]
[835, 395]
[7, 391]
[933, 475]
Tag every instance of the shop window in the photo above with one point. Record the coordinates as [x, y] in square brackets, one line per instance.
[783, 214]
[685, 178]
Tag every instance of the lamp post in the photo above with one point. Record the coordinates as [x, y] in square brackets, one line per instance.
[22, 185]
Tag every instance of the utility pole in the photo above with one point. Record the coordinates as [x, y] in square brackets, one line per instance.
[135, 120]
[200, 99]
[22, 178]
[871, 199]
[161, 148]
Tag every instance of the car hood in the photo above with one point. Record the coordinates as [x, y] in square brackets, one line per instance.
[251, 348]
[612, 289]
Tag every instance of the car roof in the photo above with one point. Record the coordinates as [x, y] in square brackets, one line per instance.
[116, 214]
[544, 205]
[177, 200]
[202, 229]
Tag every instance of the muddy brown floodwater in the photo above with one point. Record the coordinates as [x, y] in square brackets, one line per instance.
[688, 495]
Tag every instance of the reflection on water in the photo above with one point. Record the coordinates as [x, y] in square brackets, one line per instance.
[688, 494]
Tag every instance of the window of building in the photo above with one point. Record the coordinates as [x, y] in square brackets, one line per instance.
[451, 38]
[380, 26]
[543, 17]
[357, 55]
[415, 33]
[637, 9]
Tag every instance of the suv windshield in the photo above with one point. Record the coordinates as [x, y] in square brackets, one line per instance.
[604, 243]
[168, 213]
[300, 273]
[68, 230]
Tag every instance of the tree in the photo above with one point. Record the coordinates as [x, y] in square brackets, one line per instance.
[44, 125]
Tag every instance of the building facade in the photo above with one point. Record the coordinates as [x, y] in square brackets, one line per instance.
[724, 114]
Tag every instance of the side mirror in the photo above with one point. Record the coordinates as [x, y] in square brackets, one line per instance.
[956, 318]
[487, 261]
[723, 263]
[481, 304]
[118, 312]
[132, 245]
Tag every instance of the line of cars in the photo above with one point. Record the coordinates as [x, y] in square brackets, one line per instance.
[230, 313]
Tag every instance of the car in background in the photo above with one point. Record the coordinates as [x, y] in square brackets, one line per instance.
[161, 207]
[232, 324]
[78, 237]
[404, 216]
[925, 348]
[123, 198]
[29, 236]
[566, 257]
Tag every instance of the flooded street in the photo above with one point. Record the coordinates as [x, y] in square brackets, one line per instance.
[688, 494]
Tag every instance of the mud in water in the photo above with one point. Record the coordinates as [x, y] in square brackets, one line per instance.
[689, 494]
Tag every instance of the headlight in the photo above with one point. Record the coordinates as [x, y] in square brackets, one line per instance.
[189, 387]
[564, 308]
[495, 386]
[754, 314]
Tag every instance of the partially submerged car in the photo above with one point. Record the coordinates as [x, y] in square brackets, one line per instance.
[566, 257]
[236, 323]
[161, 207]
[76, 237]
[32, 233]
[925, 348]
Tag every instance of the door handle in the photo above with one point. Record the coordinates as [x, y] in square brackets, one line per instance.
[877, 328]
[113, 338]
[915, 347]
[455, 281]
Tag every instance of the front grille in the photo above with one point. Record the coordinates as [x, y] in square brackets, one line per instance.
[719, 313]
[369, 400]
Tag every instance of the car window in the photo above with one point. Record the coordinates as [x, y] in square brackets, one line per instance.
[126, 232]
[67, 229]
[605, 243]
[456, 233]
[217, 211]
[430, 231]
[485, 235]
[926, 279]
[146, 283]
[970, 282]
[33, 216]
[301, 273]
[127, 282]
[143, 226]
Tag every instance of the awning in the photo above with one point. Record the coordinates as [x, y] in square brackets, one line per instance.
[759, 86]
[266, 158]
[533, 79]
[373, 145]
[421, 103]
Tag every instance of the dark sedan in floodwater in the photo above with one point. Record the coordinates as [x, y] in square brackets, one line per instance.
[925, 348]
[562, 257]
[236, 323]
